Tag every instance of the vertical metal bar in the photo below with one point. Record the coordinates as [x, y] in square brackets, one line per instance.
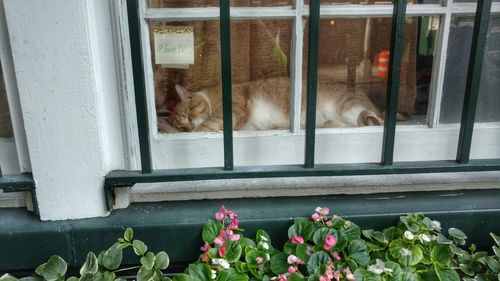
[473, 80]
[312, 81]
[227, 111]
[396, 55]
[1, 175]
[139, 85]
[296, 68]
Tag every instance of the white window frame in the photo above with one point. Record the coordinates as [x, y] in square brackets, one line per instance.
[14, 156]
[433, 141]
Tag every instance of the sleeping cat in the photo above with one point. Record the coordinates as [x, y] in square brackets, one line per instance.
[265, 105]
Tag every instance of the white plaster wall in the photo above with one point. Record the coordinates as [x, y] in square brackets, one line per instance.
[64, 64]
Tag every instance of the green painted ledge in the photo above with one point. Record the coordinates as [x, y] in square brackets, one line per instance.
[25, 242]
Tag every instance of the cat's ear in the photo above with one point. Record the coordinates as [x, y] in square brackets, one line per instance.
[182, 92]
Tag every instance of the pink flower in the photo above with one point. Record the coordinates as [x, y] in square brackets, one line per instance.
[282, 277]
[292, 259]
[222, 252]
[323, 278]
[219, 216]
[232, 215]
[337, 256]
[329, 223]
[234, 224]
[259, 260]
[315, 217]
[329, 274]
[234, 237]
[223, 210]
[292, 269]
[218, 241]
[205, 247]
[297, 239]
[330, 241]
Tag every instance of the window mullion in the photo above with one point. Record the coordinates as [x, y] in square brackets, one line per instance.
[439, 67]
[296, 68]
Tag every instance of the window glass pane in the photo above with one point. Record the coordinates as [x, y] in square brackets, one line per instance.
[5, 123]
[353, 64]
[215, 3]
[188, 97]
[456, 72]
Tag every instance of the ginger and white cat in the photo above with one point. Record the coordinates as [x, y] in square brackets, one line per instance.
[265, 105]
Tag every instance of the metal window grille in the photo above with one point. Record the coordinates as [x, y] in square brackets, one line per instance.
[117, 179]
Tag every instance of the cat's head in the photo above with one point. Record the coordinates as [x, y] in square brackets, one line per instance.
[192, 110]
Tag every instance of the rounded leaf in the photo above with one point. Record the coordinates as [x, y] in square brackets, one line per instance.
[233, 252]
[201, 271]
[441, 254]
[128, 235]
[54, 269]
[184, 277]
[90, 266]
[112, 258]
[301, 227]
[139, 247]
[406, 253]
[210, 231]
[316, 260]
[8, 277]
[446, 273]
[148, 260]
[162, 261]
[145, 274]
[457, 233]
[279, 263]
[358, 251]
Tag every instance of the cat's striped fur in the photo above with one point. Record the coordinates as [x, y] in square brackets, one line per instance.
[265, 105]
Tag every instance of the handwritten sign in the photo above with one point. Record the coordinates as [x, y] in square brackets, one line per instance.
[174, 46]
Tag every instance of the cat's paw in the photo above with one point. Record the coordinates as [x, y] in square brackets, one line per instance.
[369, 118]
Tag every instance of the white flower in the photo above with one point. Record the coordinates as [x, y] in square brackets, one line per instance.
[424, 238]
[214, 274]
[268, 257]
[408, 235]
[379, 267]
[436, 225]
[405, 252]
[263, 238]
[222, 262]
[264, 245]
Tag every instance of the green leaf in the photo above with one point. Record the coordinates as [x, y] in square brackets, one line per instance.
[493, 264]
[466, 269]
[279, 263]
[72, 278]
[445, 273]
[234, 275]
[262, 236]
[185, 277]
[54, 269]
[162, 261]
[8, 277]
[36, 278]
[221, 276]
[441, 254]
[297, 276]
[251, 257]
[320, 234]
[496, 250]
[201, 271]
[139, 247]
[392, 233]
[368, 233]
[380, 237]
[496, 238]
[457, 233]
[352, 233]
[247, 242]
[362, 274]
[40, 268]
[112, 258]
[241, 267]
[441, 239]
[316, 260]
[90, 266]
[128, 235]
[301, 227]
[289, 248]
[148, 260]
[358, 251]
[233, 252]
[145, 274]
[210, 231]
[429, 275]
[406, 253]
[302, 252]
